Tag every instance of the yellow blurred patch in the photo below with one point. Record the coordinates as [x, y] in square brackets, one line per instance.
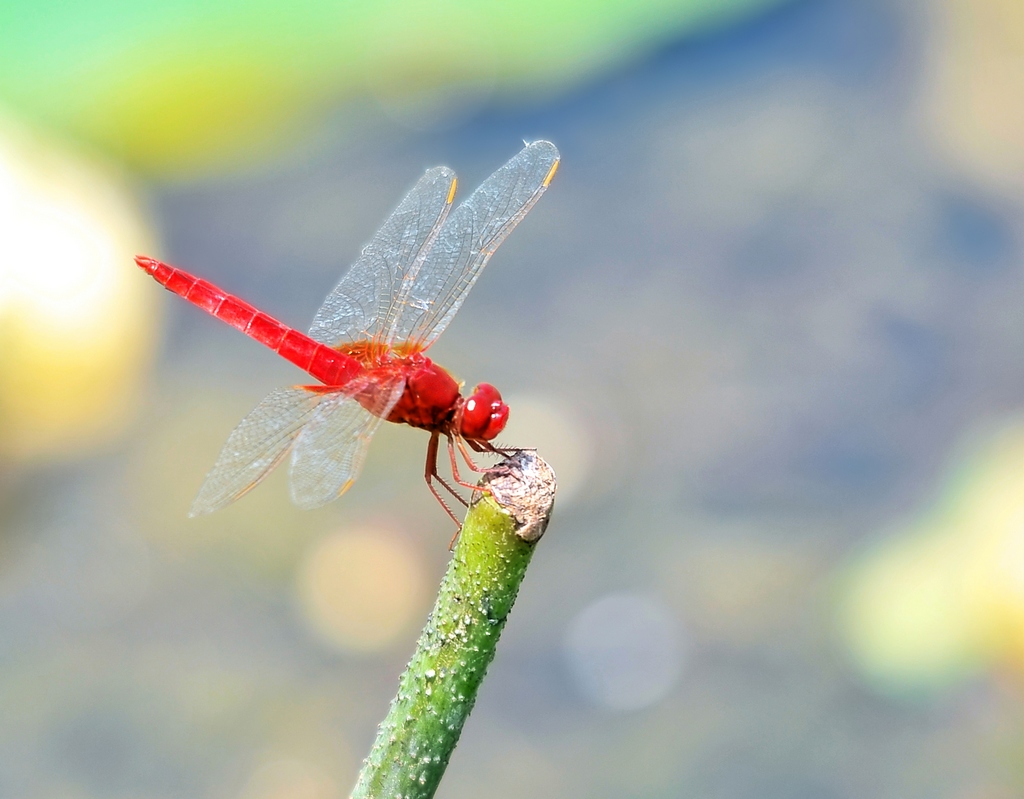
[974, 101]
[173, 115]
[360, 590]
[943, 597]
[76, 326]
[289, 779]
[906, 619]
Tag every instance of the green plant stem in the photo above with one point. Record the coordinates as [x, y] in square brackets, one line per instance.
[437, 691]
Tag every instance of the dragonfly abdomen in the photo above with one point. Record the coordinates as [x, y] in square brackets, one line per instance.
[326, 364]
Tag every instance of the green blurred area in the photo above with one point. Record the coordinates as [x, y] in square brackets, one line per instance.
[185, 86]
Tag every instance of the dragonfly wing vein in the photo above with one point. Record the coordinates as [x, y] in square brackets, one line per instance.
[471, 234]
[363, 302]
[331, 449]
[255, 447]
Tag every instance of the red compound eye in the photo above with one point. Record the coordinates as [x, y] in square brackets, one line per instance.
[483, 414]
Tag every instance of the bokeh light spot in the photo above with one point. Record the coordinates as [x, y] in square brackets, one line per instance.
[624, 651]
[942, 598]
[360, 590]
[560, 436]
[289, 779]
[76, 326]
[905, 620]
[972, 95]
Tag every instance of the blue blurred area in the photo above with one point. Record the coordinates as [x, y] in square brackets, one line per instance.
[773, 308]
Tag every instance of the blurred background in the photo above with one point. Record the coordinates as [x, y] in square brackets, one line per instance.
[766, 325]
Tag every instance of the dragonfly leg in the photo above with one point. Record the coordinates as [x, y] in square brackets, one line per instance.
[469, 461]
[447, 487]
[436, 475]
[505, 452]
[429, 473]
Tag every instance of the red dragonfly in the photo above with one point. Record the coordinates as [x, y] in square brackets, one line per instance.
[368, 341]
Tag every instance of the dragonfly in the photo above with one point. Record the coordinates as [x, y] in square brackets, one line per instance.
[367, 345]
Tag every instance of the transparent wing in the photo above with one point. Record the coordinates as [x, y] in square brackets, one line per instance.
[362, 304]
[256, 446]
[331, 448]
[436, 290]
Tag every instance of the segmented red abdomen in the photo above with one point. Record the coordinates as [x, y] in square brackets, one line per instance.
[326, 364]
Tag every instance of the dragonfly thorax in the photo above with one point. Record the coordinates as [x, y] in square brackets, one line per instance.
[432, 400]
[431, 397]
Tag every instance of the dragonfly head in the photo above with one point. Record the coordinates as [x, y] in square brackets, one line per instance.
[483, 414]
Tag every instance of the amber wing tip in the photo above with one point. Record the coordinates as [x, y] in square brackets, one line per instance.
[551, 173]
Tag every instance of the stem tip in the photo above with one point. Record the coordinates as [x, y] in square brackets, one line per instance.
[524, 485]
